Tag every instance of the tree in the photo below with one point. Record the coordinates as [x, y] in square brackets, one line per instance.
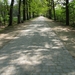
[24, 10]
[11, 13]
[67, 12]
[72, 13]
[39, 7]
[53, 9]
[4, 8]
[27, 9]
[19, 12]
[50, 8]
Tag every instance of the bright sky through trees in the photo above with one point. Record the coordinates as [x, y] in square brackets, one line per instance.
[9, 1]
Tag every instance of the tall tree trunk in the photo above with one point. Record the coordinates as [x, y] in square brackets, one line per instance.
[54, 10]
[11, 13]
[27, 9]
[19, 12]
[67, 12]
[50, 9]
[24, 10]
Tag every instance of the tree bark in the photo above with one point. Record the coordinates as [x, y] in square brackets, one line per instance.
[11, 13]
[54, 10]
[50, 9]
[24, 10]
[67, 12]
[19, 12]
[27, 9]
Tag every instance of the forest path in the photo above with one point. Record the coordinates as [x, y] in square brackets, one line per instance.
[36, 50]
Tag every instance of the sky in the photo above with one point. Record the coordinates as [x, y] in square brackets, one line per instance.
[10, 1]
[15, 1]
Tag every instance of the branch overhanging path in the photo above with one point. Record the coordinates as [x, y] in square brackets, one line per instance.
[36, 51]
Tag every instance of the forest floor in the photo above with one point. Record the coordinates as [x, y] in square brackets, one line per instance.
[65, 33]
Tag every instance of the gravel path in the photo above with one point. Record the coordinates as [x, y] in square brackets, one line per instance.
[36, 50]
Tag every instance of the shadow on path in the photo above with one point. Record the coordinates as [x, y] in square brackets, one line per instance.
[36, 51]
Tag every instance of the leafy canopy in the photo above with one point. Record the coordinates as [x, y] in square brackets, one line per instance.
[39, 6]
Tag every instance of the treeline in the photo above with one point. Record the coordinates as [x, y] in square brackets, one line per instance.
[18, 11]
[62, 10]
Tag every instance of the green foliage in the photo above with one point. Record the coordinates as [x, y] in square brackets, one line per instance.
[39, 6]
[4, 9]
[15, 10]
[72, 12]
[60, 13]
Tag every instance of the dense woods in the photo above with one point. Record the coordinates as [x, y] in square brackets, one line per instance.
[17, 11]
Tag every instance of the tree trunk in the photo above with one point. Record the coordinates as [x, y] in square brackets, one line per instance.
[50, 9]
[19, 12]
[54, 9]
[27, 9]
[67, 12]
[11, 13]
[24, 10]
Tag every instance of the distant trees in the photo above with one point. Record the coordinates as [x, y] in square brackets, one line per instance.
[4, 9]
[72, 12]
[51, 11]
[62, 12]
[21, 10]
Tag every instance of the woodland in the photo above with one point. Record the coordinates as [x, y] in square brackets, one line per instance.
[18, 11]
